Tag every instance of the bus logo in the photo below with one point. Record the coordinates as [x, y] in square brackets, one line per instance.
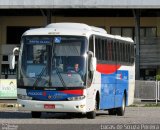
[35, 93]
[119, 76]
[49, 97]
[57, 39]
[44, 93]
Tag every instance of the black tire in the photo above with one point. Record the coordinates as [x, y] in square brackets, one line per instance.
[36, 114]
[121, 110]
[112, 111]
[79, 115]
[71, 115]
[92, 114]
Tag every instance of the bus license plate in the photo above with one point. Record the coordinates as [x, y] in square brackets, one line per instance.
[49, 106]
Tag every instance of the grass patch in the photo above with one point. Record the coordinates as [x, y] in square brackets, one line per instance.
[133, 105]
[152, 105]
[145, 105]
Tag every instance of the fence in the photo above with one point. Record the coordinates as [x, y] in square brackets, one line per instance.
[147, 90]
[144, 90]
[158, 90]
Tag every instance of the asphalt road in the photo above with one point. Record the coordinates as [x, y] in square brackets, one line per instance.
[137, 116]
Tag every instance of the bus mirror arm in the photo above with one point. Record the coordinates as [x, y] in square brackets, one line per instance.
[93, 61]
[93, 64]
[16, 49]
[90, 53]
[12, 58]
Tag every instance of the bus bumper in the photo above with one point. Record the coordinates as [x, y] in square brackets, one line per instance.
[57, 106]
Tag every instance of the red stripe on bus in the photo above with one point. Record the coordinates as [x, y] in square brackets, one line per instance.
[77, 92]
[107, 69]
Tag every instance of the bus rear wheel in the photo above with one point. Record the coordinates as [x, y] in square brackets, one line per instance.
[121, 110]
[36, 114]
[112, 111]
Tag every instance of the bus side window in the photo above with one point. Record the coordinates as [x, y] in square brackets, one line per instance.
[91, 47]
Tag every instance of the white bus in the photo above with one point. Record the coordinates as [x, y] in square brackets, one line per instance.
[74, 68]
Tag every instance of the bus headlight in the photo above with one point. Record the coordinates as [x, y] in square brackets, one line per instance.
[24, 97]
[76, 98]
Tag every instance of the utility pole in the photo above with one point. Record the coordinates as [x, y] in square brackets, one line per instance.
[49, 16]
[137, 41]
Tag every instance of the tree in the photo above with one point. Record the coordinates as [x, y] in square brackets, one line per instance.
[158, 77]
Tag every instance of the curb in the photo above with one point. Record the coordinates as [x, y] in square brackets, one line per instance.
[145, 104]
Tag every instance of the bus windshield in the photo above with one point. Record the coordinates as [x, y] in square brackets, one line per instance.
[52, 62]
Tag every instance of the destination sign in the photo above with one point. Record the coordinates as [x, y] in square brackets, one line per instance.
[39, 41]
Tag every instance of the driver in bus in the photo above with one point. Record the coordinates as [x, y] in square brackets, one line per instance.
[76, 69]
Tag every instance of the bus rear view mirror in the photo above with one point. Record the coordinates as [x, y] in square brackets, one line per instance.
[12, 62]
[93, 64]
[12, 58]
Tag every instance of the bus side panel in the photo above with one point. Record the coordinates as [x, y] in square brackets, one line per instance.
[131, 88]
[92, 91]
[108, 85]
[121, 86]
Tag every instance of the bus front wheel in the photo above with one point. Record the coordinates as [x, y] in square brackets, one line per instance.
[36, 114]
[92, 114]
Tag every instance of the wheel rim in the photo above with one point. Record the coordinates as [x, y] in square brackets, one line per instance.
[123, 105]
[95, 108]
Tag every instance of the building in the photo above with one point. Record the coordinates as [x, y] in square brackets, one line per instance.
[138, 19]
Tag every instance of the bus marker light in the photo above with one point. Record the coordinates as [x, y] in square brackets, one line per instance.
[82, 106]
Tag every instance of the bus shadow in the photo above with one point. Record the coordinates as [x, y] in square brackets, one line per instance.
[69, 115]
[27, 115]
[62, 115]
[14, 115]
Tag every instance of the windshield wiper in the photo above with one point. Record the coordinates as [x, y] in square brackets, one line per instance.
[40, 76]
[60, 77]
[57, 71]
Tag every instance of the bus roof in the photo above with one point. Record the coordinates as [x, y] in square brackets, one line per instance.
[80, 26]
[123, 38]
[64, 29]
[80, 29]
